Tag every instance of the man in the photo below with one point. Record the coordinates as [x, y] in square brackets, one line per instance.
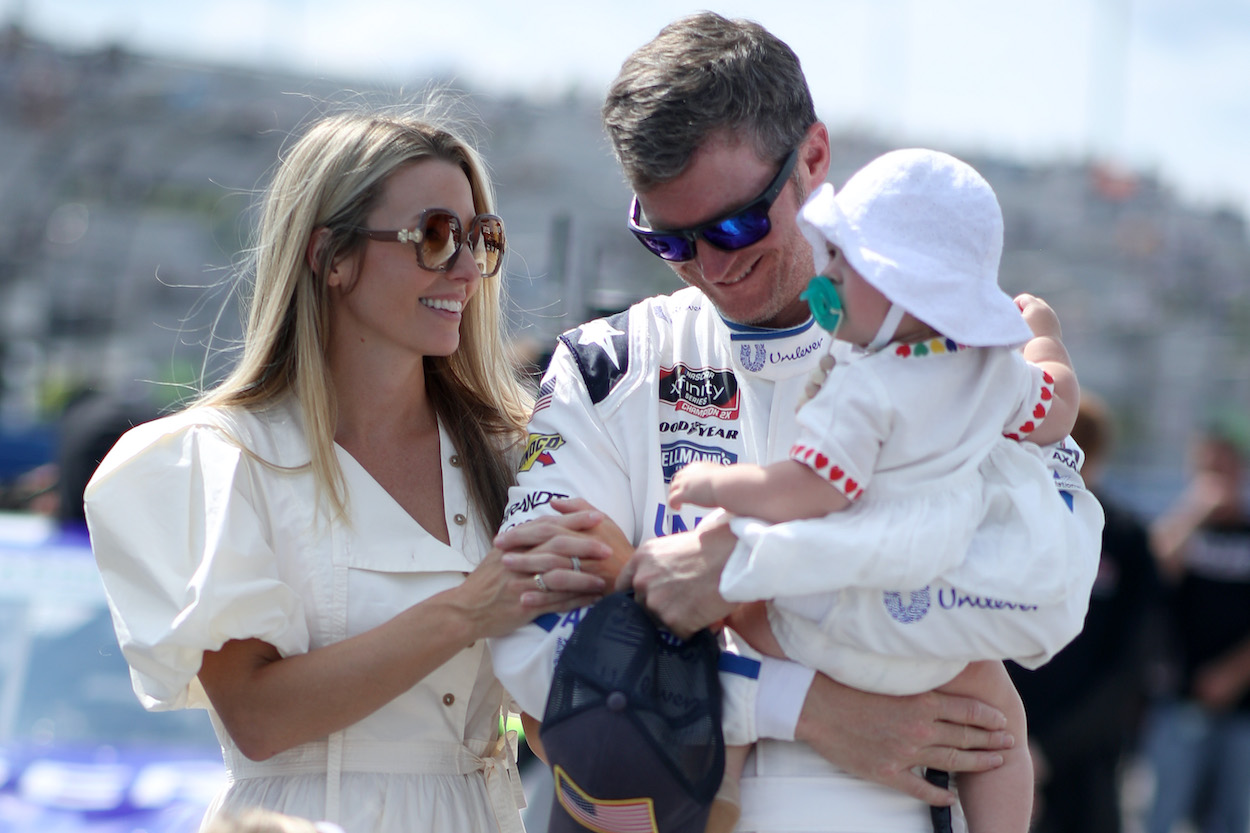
[714, 126]
[1197, 737]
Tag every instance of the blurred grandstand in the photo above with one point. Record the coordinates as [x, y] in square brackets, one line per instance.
[127, 184]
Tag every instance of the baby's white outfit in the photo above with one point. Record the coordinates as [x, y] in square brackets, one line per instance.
[914, 435]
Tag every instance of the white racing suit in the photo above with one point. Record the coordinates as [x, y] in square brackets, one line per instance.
[628, 400]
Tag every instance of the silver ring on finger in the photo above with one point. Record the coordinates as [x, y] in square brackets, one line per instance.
[538, 580]
[577, 563]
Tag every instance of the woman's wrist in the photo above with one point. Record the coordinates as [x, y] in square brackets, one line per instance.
[460, 621]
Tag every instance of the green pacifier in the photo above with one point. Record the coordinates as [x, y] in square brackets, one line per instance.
[822, 296]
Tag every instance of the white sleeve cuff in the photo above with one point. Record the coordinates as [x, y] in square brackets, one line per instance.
[783, 688]
[739, 571]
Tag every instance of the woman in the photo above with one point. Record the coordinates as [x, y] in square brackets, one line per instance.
[305, 551]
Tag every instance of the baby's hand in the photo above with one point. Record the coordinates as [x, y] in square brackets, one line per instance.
[1041, 319]
[694, 484]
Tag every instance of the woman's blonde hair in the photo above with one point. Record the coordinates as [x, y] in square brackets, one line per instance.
[331, 178]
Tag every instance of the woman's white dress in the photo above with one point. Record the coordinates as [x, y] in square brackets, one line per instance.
[200, 541]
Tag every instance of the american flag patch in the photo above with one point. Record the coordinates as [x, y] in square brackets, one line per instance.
[544, 396]
[629, 815]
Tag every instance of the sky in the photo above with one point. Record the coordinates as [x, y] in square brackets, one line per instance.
[1161, 87]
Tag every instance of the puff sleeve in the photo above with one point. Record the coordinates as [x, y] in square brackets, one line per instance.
[179, 528]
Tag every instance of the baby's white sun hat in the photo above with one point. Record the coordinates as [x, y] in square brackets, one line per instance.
[926, 230]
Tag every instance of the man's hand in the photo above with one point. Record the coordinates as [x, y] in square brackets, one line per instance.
[677, 577]
[881, 737]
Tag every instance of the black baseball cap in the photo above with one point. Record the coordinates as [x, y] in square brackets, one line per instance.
[632, 727]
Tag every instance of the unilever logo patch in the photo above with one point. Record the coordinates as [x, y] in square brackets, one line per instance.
[753, 356]
[915, 609]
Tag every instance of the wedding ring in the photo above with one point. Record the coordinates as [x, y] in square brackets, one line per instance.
[538, 580]
[577, 564]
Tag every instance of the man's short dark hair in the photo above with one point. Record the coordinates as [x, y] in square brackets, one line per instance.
[701, 75]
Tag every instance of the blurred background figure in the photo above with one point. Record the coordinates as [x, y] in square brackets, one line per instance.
[1084, 707]
[1198, 746]
[91, 421]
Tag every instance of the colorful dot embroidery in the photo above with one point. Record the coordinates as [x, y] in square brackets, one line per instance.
[934, 346]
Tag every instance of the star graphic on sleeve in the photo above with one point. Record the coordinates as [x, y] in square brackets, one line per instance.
[600, 332]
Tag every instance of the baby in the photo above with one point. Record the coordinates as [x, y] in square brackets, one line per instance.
[922, 426]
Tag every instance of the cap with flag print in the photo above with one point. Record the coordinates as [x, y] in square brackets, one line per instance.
[632, 727]
[618, 815]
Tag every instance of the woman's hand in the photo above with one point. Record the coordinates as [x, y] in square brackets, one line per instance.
[548, 545]
[497, 599]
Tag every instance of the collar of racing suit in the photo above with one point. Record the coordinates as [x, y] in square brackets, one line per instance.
[777, 354]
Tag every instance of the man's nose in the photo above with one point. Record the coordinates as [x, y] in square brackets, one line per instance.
[715, 265]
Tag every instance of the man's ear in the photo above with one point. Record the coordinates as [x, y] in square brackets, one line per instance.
[815, 156]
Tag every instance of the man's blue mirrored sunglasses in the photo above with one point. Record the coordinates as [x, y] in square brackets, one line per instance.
[736, 230]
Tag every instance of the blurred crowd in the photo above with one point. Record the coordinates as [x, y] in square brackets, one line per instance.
[1143, 722]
